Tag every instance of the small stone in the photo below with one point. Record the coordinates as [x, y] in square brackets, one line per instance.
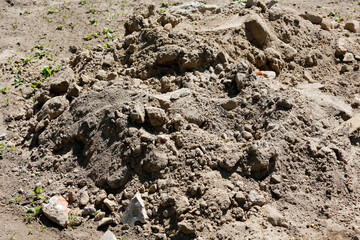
[308, 76]
[88, 210]
[257, 30]
[105, 221]
[344, 68]
[240, 197]
[157, 116]
[57, 210]
[137, 114]
[59, 85]
[53, 108]
[168, 27]
[99, 216]
[255, 198]
[246, 135]
[182, 205]
[74, 90]
[352, 26]
[326, 24]
[3, 136]
[314, 18]
[111, 76]
[348, 57]
[108, 60]
[274, 216]
[285, 103]
[229, 105]
[276, 179]
[100, 198]
[119, 178]
[101, 75]
[186, 227]
[84, 198]
[135, 212]
[108, 235]
[269, 74]
[111, 205]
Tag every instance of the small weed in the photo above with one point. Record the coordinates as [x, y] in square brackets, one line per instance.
[92, 10]
[30, 232]
[36, 85]
[2, 150]
[331, 14]
[18, 43]
[39, 54]
[242, 2]
[47, 71]
[3, 90]
[71, 220]
[16, 199]
[7, 102]
[93, 21]
[162, 11]
[27, 12]
[72, 25]
[26, 60]
[339, 19]
[60, 27]
[18, 82]
[87, 37]
[14, 26]
[37, 191]
[165, 4]
[95, 35]
[82, 2]
[51, 11]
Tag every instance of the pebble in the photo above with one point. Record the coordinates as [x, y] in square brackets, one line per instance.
[99, 216]
[108, 235]
[88, 210]
[240, 197]
[105, 221]
[352, 26]
[229, 105]
[57, 210]
[348, 57]
[84, 198]
[157, 116]
[255, 198]
[111, 205]
[276, 179]
[135, 211]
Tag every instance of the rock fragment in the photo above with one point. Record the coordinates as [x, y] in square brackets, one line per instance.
[57, 210]
[186, 227]
[108, 235]
[53, 108]
[105, 221]
[157, 116]
[274, 216]
[348, 57]
[314, 18]
[135, 212]
[257, 30]
[111, 205]
[84, 198]
[352, 26]
[255, 198]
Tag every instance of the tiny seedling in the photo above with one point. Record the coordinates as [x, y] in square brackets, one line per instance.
[72, 25]
[71, 220]
[51, 11]
[331, 14]
[30, 232]
[3, 90]
[87, 37]
[35, 85]
[16, 199]
[165, 4]
[47, 71]
[39, 54]
[27, 12]
[6, 100]
[95, 35]
[14, 26]
[339, 19]
[18, 82]
[37, 191]
[82, 2]
[93, 21]
[2, 150]
[60, 27]
[26, 60]
[91, 10]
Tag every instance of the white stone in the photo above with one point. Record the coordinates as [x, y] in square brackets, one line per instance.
[57, 211]
[135, 212]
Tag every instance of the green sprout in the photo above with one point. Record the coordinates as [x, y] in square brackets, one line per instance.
[93, 21]
[331, 14]
[339, 19]
[60, 27]
[18, 82]
[47, 71]
[26, 60]
[82, 2]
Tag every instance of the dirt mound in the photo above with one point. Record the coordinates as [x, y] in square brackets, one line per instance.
[223, 118]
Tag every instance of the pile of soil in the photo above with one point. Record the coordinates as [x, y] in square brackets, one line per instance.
[233, 121]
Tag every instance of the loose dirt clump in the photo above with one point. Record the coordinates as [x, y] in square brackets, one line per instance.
[198, 121]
